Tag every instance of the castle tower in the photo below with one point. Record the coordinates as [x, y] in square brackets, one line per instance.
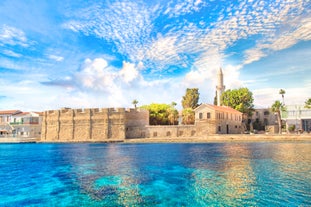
[220, 88]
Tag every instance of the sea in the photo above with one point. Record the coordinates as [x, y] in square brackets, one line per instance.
[156, 174]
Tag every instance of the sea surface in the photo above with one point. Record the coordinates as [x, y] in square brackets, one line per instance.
[184, 174]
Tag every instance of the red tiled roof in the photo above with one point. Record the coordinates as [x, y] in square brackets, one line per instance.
[10, 112]
[221, 108]
[22, 113]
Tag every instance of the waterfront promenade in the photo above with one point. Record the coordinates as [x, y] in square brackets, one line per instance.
[227, 138]
[209, 138]
[19, 139]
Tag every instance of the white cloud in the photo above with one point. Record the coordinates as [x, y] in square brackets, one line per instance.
[127, 24]
[56, 58]
[128, 72]
[281, 31]
[182, 7]
[11, 53]
[12, 36]
[96, 75]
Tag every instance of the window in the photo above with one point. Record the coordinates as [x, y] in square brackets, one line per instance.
[155, 134]
[208, 115]
[266, 113]
[168, 133]
[200, 115]
[219, 128]
[180, 133]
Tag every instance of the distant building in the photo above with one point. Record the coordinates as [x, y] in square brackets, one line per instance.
[262, 119]
[211, 119]
[15, 123]
[297, 118]
[5, 118]
[27, 124]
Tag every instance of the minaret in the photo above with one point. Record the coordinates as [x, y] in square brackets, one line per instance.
[220, 86]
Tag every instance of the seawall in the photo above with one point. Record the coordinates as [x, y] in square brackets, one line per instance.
[227, 138]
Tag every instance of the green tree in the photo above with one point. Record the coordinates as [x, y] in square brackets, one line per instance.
[282, 92]
[277, 107]
[191, 98]
[161, 114]
[188, 116]
[308, 103]
[240, 99]
[135, 102]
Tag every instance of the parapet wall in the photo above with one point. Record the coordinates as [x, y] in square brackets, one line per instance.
[162, 131]
[97, 124]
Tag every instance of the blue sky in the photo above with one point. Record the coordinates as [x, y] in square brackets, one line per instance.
[80, 54]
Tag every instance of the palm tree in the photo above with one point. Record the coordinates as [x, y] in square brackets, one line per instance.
[135, 102]
[282, 92]
[172, 114]
[188, 116]
[277, 107]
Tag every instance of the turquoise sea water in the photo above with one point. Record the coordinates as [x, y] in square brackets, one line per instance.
[209, 174]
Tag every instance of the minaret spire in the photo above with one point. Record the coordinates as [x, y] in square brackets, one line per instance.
[220, 85]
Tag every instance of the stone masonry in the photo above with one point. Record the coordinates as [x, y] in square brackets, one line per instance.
[80, 125]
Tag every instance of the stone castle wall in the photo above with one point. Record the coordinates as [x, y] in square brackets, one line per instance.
[161, 131]
[90, 124]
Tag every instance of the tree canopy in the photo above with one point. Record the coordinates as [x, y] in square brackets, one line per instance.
[240, 99]
[135, 102]
[188, 116]
[308, 103]
[191, 98]
[162, 114]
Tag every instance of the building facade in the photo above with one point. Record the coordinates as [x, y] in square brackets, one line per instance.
[264, 120]
[297, 118]
[211, 119]
[15, 123]
[5, 118]
[26, 124]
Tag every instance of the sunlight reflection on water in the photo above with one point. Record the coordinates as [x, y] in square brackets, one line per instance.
[222, 174]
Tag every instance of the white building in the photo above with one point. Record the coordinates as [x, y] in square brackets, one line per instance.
[27, 124]
[297, 117]
[5, 118]
[15, 123]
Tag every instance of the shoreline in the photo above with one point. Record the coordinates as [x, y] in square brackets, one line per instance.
[226, 138]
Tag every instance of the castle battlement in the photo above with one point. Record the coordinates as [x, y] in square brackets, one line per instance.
[90, 124]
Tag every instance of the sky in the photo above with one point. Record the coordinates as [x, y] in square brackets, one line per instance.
[97, 54]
